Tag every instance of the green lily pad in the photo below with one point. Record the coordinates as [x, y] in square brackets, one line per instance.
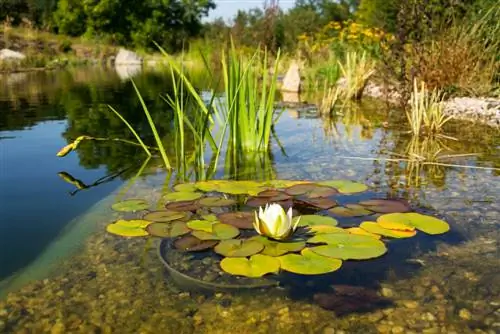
[428, 224]
[183, 206]
[185, 187]
[278, 248]
[375, 228]
[396, 221]
[230, 186]
[168, 230]
[360, 231]
[309, 263]
[345, 186]
[239, 219]
[127, 229]
[132, 223]
[300, 189]
[201, 225]
[350, 210]
[130, 205]
[386, 205]
[311, 220]
[163, 216]
[326, 229]
[216, 201]
[189, 243]
[348, 246]
[182, 196]
[210, 217]
[219, 232]
[238, 247]
[257, 266]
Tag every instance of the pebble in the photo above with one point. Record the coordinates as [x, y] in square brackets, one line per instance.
[2, 325]
[386, 292]
[383, 328]
[328, 330]
[397, 330]
[428, 317]
[464, 314]
[376, 316]
[3, 312]
[410, 304]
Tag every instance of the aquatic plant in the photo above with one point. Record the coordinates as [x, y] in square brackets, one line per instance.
[356, 69]
[274, 223]
[425, 114]
[254, 244]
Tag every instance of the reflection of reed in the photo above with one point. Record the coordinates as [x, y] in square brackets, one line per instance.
[351, 116]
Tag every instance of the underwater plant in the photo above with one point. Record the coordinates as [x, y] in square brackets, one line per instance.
[274, 223]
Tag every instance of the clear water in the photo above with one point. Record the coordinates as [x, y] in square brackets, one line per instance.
[63, 273]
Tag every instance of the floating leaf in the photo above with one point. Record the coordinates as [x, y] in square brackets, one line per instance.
[348, 246]
[325, 229]
[163, 216]
[132, 223]
[309, 263]
[321, 203]
[183, 206]
[240, 219]
[219, 232]
[201, 225]
[189, 243]
[351, 211]
[269, 193]
[360, 231]
[209, 217]
[345, 186]
[238, 248]
[395, 221]
[386, 205]
[300, 189]
[377, 229]
[182, 196]
[230, 186]
[428, 224]
[216, 201]
[126, 230]
[257, 201]
[185, 187]
[322, 191]
[258, 265]
[278, 248]
[310, 220]
[130, 205]
[168, 230]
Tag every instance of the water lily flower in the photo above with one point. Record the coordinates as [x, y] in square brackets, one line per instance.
[274, 223]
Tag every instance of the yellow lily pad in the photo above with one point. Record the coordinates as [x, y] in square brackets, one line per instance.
[185, 187]
[257, 266]
[348, 246]
[182, 196]
[219, 232]
[309, 263]
[130, 205]
[278, 248]
[126, 230]
[396, 221]
[324, 229]
[376, 228]
[360, 231]
[238, 247]
[201, 225]
[427, 224]
[141, 223]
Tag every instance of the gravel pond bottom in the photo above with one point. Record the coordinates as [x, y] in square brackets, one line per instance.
[118, 285]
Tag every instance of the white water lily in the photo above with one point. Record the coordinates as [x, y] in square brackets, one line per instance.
[274, 223]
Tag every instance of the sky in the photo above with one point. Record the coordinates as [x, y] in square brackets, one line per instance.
[228, 8]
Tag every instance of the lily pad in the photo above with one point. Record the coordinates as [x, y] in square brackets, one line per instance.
[182, 196]
[360, 231]
[257, 266]
[325, 229]
[269, 193]
[321, 203]
[239, 219]
[346, 186]
[163, 216]
[126, 230]
[168, 230]
[201, 225]
[396, 221]
[377, 229]
[189, 243]
[230, 186]
[185, 187]
[350, 210]
[238, 248]
[348, 246]
[300, 189]
[278, 248]
[183, 206]
[130, 205]
[257, 201]
[210, 217]
[428, 224]
[322, 191]
[132, 223]
[386, 205]
[219, 232]
[311, 220]
[309, 263]
[216, 201]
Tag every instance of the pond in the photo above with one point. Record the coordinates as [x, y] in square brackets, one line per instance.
[62, 272]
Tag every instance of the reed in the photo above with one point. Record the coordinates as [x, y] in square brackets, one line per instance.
[356, 69]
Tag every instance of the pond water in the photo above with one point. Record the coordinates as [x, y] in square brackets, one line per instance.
[61, 272]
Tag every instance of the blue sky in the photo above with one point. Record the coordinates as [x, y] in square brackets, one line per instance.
[228, 8]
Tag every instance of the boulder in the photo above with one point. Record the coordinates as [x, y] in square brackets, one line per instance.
[6, 54]
[291, 82]
[127, 57]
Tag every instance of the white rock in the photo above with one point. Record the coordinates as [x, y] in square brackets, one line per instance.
[291, 82]
[127, 57]
[6, 54]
